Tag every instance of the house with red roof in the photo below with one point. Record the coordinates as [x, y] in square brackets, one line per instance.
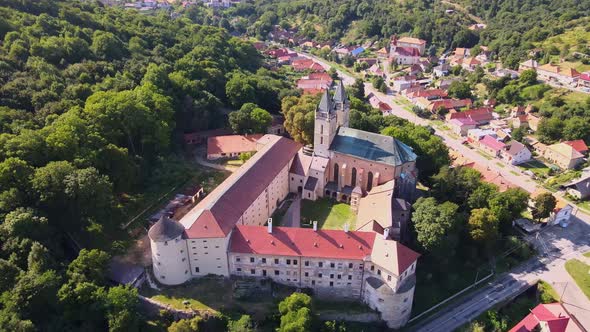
[482, 115]
[491, 145]
[584, 81]
[430, 94]
[231, 146]
[406, 50]
[307, 64]
[461, 126]
[578, 145]
[558, 74]
[550, 317]
[447, 104]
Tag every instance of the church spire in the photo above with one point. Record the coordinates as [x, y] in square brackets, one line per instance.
[340, 95]
[325, 104]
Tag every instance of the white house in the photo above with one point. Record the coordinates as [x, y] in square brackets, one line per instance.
[516, 153]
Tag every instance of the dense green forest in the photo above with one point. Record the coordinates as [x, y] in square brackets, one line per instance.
[92, 98]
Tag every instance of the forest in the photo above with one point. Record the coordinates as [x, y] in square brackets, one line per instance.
[92, 98]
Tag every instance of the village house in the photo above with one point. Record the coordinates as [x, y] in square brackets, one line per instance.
[528, 64]
[556, 74]
[461, 52]
[307, 64]
[516, 153]
[551, 317]
[431, 94]
[231, 146]
[481, 115]
[406, 50]
[375, 70]
[441, 70]
[579, 188]
[491, 145]
[445, 105]
[315, 82]
[563, 155]
[578, 145]
[470, 64]
[475, 135]
[401, 83]
[382, 53]
[461, 126]
[584, 81]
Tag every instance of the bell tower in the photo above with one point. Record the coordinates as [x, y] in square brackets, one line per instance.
[342, 105]
[325, 126]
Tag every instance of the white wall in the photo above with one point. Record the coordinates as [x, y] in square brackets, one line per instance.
[209, 256]
[170, 261]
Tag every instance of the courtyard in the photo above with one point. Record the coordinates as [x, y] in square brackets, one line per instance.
[328, 213]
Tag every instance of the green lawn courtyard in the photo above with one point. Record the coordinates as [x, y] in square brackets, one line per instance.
[328, 213]
[580, 272]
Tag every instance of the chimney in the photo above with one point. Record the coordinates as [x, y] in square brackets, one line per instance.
[346, 228]
[385, 233]
[270, 225]
[315, 226]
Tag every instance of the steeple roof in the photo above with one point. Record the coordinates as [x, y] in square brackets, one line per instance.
[326, 103]
[340, 95]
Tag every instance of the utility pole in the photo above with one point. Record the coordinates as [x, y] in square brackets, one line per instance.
[563, 293]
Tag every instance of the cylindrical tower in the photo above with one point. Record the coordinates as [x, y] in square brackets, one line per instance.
[169, 252]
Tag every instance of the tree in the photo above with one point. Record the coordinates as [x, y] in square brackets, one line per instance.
[25, 223]
[9, 321]
[460, 90]
[250, 119]
[90, 265]
[299, 117]
[295, 313]
[508, 206]
[8, 274]
[518, 134]
[480, 197]
[528, 77]
[186, 325]
[435, 224]
[333, 73]
[509, 94]
[483, 227]
[39, 260]
[358, 89]
[550, 130]
[122, 309]
[34, 296]
[244, 324]
[544, 204]
[240, 91]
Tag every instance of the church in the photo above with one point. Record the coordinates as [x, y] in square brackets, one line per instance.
[230, 233]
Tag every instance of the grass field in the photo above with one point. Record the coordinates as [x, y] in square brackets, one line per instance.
[535, 166]
[580, 271]
[328, 213]
[587, 254]
[563, 178]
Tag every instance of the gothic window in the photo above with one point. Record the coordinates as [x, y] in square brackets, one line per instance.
[353, 178]
[370, 181]
[336, 170]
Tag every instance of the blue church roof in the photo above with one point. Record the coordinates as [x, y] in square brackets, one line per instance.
[371, 146]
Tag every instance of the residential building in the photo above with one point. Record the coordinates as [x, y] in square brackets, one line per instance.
[548, 318]
[491, 145]
[584, 81]
[475, 135]
[406, 51]
[401, 83]
[556, 74]
[578, 145]
[528, 64]
[441, 70]
[461, 126]
[579, 188]
[516, 153]
[563, 155]
[447, 104]
[481, 115]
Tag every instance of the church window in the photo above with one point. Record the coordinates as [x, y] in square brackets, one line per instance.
[353, 178]
[370, 181]
[321, 139]
[322, 129]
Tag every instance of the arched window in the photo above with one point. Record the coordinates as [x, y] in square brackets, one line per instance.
[353, 178]
[336, 176]
[370, 181]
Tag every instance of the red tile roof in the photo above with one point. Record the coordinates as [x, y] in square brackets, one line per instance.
[481, 114]
[492, 143]
[232, 144]
[427, 93]
[406, 51]
[448, 104]
[553, 314]
[292, 241]
[301, 163]
[219, 211]
[578, 145]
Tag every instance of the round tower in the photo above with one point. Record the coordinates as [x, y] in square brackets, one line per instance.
[169, 252]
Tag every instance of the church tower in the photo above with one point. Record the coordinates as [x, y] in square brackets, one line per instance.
[325, 126]
[342, 105]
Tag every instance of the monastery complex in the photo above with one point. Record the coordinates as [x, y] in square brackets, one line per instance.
[230, 233]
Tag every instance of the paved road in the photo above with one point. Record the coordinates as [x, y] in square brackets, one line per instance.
[557, 243]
